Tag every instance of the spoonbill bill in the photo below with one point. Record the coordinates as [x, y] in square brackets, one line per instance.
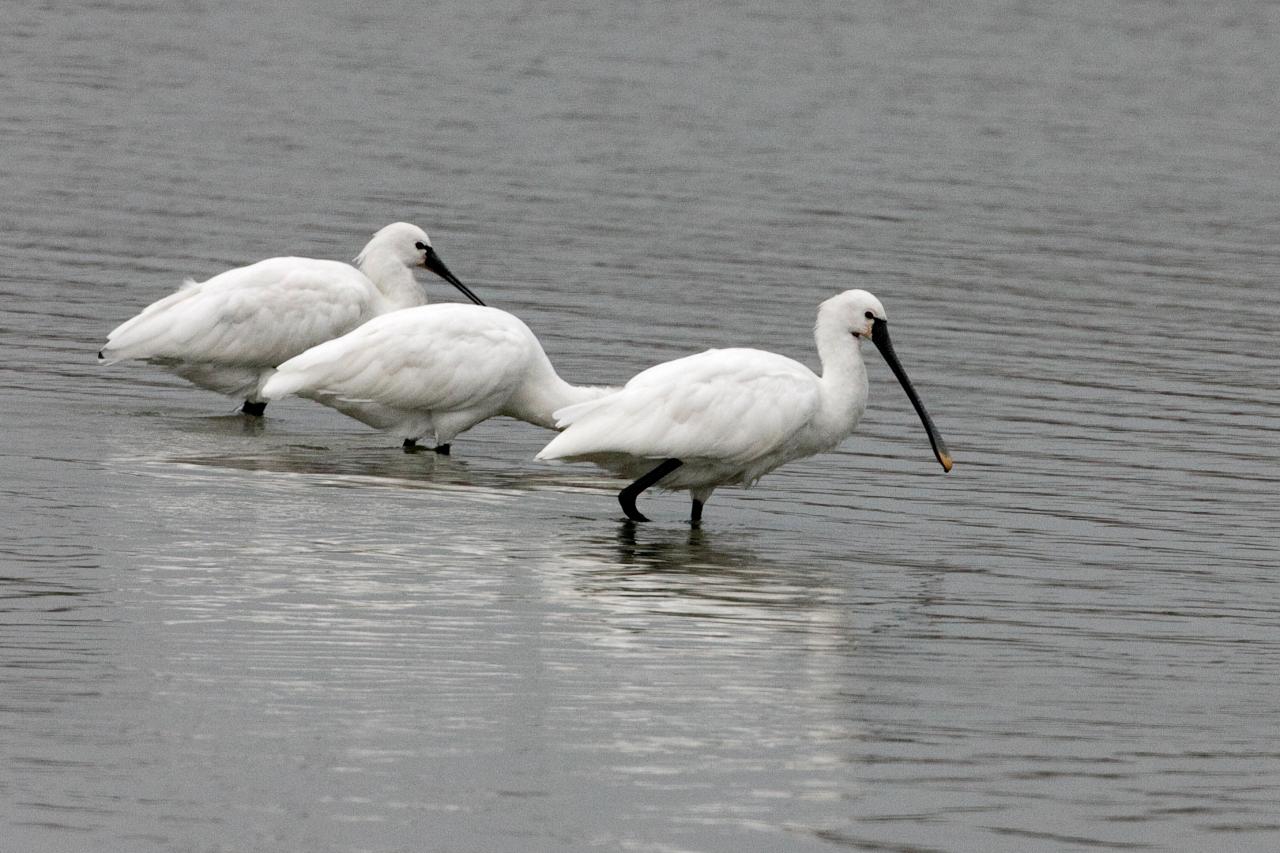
[228, 333]
[729, 416]
[434, 370]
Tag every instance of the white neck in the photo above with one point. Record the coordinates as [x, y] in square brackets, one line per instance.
[543, 393]
[394, 280]
[844, 380]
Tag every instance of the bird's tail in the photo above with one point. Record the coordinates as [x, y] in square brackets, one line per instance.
[283, 384]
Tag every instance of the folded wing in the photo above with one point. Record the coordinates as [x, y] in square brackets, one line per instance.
[733, 405]
[445, 357]
[259, 315]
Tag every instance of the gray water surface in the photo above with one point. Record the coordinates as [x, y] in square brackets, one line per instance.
[225, 635]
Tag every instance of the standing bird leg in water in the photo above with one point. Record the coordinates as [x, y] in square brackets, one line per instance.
[627, 497]
[229, 333]
[727, 417]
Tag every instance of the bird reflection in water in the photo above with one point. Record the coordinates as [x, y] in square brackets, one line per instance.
[677, 553]
[315, 460]
[689, 573]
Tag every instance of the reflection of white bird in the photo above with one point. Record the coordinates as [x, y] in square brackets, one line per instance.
[727, 417]
[226, 334]
[435, 370]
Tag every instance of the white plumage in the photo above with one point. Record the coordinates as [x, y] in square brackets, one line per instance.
[227, 333]
[725, 412]
[434, 370]
[729, 416]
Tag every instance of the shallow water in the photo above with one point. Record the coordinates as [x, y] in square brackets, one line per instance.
[224, 635]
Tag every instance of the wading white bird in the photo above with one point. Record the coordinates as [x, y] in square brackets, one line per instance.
[729, 416]
[435, 370]
[228, 333]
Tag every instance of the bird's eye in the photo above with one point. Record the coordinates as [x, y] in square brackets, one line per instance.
[420, 245]
[869, 316]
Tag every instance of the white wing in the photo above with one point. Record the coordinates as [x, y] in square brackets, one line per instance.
[259, 315]
[730, 405]
[439, 358]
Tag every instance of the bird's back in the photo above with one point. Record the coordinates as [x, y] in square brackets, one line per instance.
[258, 315]
[730, 405]
[442, 357]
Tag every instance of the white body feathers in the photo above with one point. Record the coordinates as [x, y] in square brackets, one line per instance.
[729, 415]
[434, 370]
[227, 333]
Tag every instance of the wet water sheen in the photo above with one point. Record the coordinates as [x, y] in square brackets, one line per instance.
[220, 635]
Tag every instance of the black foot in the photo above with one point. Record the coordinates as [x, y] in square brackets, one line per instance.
[696, 516]
[443, 449]
[627, 497]
[255, 410]
[628, 501]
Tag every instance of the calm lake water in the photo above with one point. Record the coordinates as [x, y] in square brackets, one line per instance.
[221, 635]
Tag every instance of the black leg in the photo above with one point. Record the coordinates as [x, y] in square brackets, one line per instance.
[253, 409]
[443, 449]
[627, 497]
[696, 515]
[410, 445]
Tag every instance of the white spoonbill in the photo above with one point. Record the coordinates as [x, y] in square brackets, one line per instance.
[226, 334]
[435, 370]
[729, 416]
